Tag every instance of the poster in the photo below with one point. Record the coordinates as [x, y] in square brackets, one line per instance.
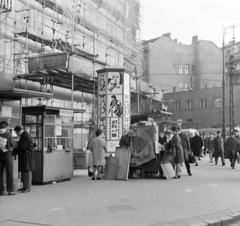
[102, 126]
[102, 83]
[127, 106]
[114, 128]
[126, 84]
[115, 108]
[111, 145]
[102, 106]
[115, 82]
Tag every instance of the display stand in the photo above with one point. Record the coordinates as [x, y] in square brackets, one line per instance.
[52, 131]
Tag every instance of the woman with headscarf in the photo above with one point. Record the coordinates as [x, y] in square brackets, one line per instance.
[178, 151]
[98, 148]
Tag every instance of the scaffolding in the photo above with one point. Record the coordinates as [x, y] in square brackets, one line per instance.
[88, 34]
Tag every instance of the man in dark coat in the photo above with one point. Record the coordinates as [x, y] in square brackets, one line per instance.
[186, 149]
[218, 148]
[25, 153]
[196, 146]
[232, 148]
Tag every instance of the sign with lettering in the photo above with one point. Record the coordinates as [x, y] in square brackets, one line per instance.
[6, 5]
[64, 112]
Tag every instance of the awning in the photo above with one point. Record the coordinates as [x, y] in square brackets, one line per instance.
[16, 94]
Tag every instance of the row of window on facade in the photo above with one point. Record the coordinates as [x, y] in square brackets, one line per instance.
[183, 86]
[185, 69]
[217, 102]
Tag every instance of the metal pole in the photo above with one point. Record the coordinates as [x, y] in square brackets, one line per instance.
[137, 89]
[174, 102]
[223, 90]
[94, 82]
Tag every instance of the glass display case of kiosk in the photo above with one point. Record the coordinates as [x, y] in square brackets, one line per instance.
[52, 131]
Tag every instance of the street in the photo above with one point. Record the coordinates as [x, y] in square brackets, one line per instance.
[212, 192]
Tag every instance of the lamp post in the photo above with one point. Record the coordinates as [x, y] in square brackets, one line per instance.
[223, 84]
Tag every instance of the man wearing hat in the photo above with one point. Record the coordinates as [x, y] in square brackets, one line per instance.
[218, 148]
[6, 147]
[25, 153]
[232, 148]
[186, 149]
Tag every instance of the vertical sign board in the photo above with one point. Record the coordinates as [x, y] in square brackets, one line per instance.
[113, 105]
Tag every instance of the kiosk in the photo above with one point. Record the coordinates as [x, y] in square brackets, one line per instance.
[52, 131]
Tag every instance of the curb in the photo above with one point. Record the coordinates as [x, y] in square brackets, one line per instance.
[222, 221]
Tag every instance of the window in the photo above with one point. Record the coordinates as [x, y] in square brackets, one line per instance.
[238, 80]
[217, 102]
[202, 103]
[180, 69]
[177, 105]
[193, 69]
[226, 69]
[180, 85]
[189, 104]
[186, 69]
[238, 67]
[228, 52]
[187, 86]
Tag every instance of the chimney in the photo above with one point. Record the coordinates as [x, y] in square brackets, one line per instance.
[167, 35]
[175, 40]
[194, 39]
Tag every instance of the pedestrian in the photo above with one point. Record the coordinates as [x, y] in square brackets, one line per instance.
[98, 146]
[161, 138]
[210, 147]
[204, 144]
[6, 148]
[196, 146]
[177, 150]
[125, 140]
[218, 148]
[186, 150]
[25, 152]
[232, 149]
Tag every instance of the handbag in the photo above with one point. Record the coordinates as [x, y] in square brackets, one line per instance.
[191, 158]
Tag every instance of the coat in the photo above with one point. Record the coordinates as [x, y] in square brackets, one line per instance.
[232, 146]
[210, 145]
[186, 146]
[196, 145]
[218, 147]
[98, 147]
[177, 147]
[25, 153]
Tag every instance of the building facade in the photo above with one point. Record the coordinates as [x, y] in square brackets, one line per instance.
[203, 108]
[169, 64]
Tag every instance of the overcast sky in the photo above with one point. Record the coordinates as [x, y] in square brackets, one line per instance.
[186, 18]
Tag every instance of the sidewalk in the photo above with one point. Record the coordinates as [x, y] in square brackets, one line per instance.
[212, 192]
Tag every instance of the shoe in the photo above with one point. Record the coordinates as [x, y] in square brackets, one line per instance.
[216, 163]
[1, 193]
[98, 178]
[11, 193]
[196, 164]
[223, 164]
[26, 190]
[176, 177]
[21, 189]
[189, 173]
[93, 178]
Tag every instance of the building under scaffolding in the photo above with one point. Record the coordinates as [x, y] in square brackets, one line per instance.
[54, 47]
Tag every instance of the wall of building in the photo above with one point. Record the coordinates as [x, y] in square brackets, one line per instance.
[164, 55]
[199, 117]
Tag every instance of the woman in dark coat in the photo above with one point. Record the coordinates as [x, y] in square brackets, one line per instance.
[196, 146]
[178, 151]
[25, 153]
[186, 149]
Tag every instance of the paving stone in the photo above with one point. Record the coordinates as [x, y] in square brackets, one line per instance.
[227, 220]
[236, 216]
[214, 222]
[199, 224]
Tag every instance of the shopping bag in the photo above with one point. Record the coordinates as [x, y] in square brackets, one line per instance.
[191, 158]
[168, 170]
